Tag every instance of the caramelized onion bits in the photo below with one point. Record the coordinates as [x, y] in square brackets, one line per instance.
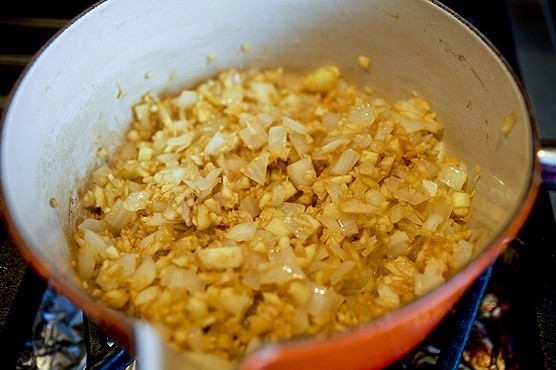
[263, 205]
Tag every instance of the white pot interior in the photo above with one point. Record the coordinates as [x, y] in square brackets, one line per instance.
[76, 97]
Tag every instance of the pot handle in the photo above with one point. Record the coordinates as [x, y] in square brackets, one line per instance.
[547, 159]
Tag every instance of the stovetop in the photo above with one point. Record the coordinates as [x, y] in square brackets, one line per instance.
[507, 320]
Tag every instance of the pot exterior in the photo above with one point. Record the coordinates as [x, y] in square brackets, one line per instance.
[75, 98]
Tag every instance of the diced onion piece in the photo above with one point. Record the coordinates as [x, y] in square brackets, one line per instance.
[119, 216]
[256, 170]
[242, 232]
[302, 225]
[363, 114]
[278, 195]
[254, 136]
[86, 262]
[294, 126]
[302, 172]
[397, 244]
[331, 120]
[461, 254]
[388, 295]
[264, 92]
[432, 222]
[345, 162]
[442, 209]
[374, 197]
[362, 141]
[235, 302]
[426, 283]
[322, 79]
[94, 225]
[176, 278]
[348, 226]
[300, 143]
[96, 241]
[251, 206]
[217, 145]
[144, 274]
[411, 196]
[221, 257]
[252, 280]
[292, 208]
[430, 187]
[136, 201]
[187, 99]
[342, 271]
[333, 145]
[334, 191]
[277, 139]
[452, 176]
[324, 301]
[147, 295]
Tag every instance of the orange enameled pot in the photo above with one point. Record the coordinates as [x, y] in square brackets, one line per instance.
[69, 103]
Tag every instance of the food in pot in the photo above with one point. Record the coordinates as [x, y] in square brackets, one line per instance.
[266, 205]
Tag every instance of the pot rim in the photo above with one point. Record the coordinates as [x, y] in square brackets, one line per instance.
[120, 325]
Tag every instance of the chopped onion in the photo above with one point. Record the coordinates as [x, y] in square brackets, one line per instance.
[300, 143]
[176, 278]
[432, 222]
[439, 208]
[363, 114]
[362, 141]
[302, 172]
[331, 223]
[251, 280]
[186, 99]
[119, 216]
[96, 241]
[292, 208]
[280, 272]
[302, 226]
[277, 139]
[86, 262]
[348, 226]
[342, 271]
[92, 224]
[264, 91]
[242, 232]
[333, 145]
[217, 145]
[411, 196]
[334, 191]
[374, 197]
[254, 136]
[144, 274]
[430, 187]
[256, 170]
[251, 206]
[397, 244]
[183, 141]
[331, 120]
[345, 163]
[452, 176]
[324, 301]
[294, 126]
[461, 254]
[278, 195]
[136, 200]
[147, 295]
[388, 295]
